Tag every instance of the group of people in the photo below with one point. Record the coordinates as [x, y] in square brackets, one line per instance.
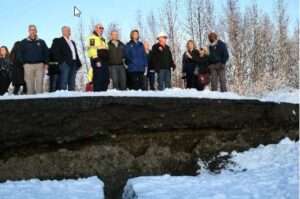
[205, 65]
[133, 65]
[130, 66]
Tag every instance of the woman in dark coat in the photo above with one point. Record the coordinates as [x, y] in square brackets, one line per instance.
[5, 70]
[17, 70]
[189, 64]
[202, 71]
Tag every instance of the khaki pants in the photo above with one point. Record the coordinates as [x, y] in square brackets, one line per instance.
[34, 77]
[217, 72]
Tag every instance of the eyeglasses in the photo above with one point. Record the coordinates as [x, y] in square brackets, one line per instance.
[101, 28]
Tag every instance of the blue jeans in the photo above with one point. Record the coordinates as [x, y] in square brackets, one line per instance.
[164, 79]
[67, 76]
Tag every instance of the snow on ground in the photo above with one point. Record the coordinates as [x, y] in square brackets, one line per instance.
[288, 95]
[267, 172]
[284, 95]
[90, 188]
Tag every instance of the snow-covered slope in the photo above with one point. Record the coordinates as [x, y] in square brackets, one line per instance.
[285, 95]
[267, 172]
[90, 188]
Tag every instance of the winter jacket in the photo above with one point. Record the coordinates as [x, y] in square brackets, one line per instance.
[190, 63]
[202, 64]
[17, 69]
[33, 51]
[96, 43]
[62, 53]
[136, 57]
[116, 53]
[5, 68]
[218, 53]
[162, 57]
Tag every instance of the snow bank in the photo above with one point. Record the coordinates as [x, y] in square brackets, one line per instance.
[261, 173]
[90, 188]
[288, 95]
[281, 96]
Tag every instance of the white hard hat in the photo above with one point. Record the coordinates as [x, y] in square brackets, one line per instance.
[162, 34]
[99, 25]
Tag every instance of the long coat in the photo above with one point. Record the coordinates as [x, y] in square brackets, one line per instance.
[17, 69]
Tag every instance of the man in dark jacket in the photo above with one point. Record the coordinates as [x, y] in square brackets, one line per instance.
[162, 61]
[65, 52]
[218, 56]
[137, 62]
[34, 57]
[117, 69]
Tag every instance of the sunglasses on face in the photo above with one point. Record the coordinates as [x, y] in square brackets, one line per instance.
[101, 28]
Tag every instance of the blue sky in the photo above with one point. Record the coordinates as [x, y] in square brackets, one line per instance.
[50, 15]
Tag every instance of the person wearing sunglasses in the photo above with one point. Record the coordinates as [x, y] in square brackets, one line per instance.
[99, 57]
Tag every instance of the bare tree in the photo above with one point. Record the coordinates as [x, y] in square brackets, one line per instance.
[190, 19]
[113, 27]
[140, 24]
[169, 18]
[281, 37]
[203, 18]
[82, 74]
[293, 73]
[152, 27]
[235, 34]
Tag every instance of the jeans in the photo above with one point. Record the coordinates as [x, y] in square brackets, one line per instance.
[164, 79]
[118, 76]
[67, 77]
